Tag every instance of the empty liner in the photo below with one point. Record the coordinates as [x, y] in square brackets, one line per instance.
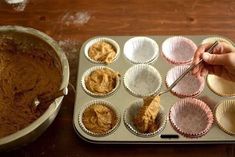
[213, 39]
[178, 50]
[225, 116]
[191, 117]
[97, 94]
[142, 80]
[132, 111]
[104, 57]
[189, 86]
[141, 50]
[93, 119]
[221, 86]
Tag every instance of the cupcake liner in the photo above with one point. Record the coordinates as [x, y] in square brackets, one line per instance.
[213, 39]
[108, 40]
[221, 86]
[191, 117]
[88, 72]
[178, 50]
[132, 111]
[142, 80]
[225, 116]
[141, 50]
[105, 103]
[189, 86]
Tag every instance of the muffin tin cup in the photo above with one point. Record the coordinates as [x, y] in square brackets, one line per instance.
[88, 72]
[178, 50]
[105, 103]
[225, 116]
[132, 111]
[100, 39]
[191, 117]
[140, 50]
[221, 86]
[211, 40]
[142, 80]
[189, 86]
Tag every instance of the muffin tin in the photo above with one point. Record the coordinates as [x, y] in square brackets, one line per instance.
[122, 99]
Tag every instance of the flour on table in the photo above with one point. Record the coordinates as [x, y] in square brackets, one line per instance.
[76, 18]
[71, 48]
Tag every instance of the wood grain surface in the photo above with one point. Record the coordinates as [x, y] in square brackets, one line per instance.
[71, 22]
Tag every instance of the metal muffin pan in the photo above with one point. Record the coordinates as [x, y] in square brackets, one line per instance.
[122, 99]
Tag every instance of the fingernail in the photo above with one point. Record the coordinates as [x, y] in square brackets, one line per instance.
[206, 56]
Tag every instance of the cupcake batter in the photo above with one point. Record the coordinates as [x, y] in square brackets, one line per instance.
[101, 81]
[102, 51]
[24, 75]
[99, 118]
[145, 119]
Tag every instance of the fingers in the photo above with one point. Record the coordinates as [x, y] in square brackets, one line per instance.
[197, 56]
[223, 47]
[219, 59]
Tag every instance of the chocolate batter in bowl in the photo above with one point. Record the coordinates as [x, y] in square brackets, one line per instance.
[31, 64]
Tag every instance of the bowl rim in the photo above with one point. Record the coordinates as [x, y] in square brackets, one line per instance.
[65, 80]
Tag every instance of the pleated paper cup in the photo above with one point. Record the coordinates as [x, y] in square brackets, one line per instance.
[106, 104]
[189, 86]
[178, 50]
[211, 40]
[221, 86]
[141, 50]
[142, 80]
[191, 117]
[96, 94]
[133, 110]
[225, 116]
[101, 39]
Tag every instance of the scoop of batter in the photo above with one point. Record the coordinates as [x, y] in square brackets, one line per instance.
[24, 75]
[145, 118]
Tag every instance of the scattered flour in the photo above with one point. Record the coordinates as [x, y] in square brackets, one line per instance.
[71, 49]
[76, 18]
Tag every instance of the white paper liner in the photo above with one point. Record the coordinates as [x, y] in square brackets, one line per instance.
[88, 72]
[221, 86]
[189, 86]
[105, 103]
[100, 39]
[191, 117]
[225, 116]
[141, 50]
[213, 39]
[178, 50]
[142, 80]
[132, 111]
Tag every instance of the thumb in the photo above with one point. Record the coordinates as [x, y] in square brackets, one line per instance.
[215, 59]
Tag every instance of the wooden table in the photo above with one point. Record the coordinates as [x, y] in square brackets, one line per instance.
[71, 22]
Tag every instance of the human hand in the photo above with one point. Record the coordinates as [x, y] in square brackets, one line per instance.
[221, 62]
